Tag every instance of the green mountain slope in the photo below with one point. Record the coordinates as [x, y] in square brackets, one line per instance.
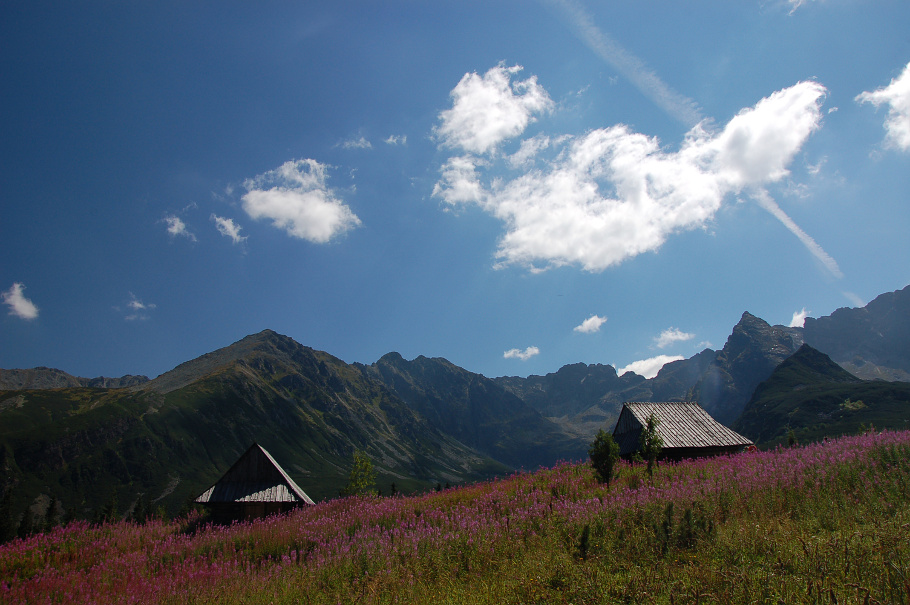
[169, 439]
[478, 411]
[813, 396]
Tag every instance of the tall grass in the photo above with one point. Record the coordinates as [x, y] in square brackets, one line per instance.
[825, 523]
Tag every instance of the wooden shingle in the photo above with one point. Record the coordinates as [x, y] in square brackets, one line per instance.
[254, 486]
[687, 430]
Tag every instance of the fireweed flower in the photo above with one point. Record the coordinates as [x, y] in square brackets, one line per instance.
[340, 544]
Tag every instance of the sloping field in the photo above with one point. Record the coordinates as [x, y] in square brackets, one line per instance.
[824, 523]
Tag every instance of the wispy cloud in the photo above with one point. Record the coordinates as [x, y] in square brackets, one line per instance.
[228, 228]
[177, 228]
[19, 306]
[296, 198]
[397, 139]
[764, 200]
[528, 151]
[855, 299]
[897, 97]
[360, 143]
[612, 194]
[649, 368]
[487, 110]
[138, 310]
[671, 336]
[799, 318]
[522, 355]
[629, 66]
[591, 324]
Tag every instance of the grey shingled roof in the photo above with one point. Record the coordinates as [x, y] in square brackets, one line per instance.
[683, 425]
[255, 477]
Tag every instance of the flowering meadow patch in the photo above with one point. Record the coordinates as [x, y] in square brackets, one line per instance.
[809, 524]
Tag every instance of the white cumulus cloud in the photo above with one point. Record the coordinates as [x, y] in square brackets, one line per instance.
[897, 97]
[489, 109]
[799, 318]
[613, 194]
[671, 336]
[296, 198]
[397, 139]
[228, 228]
[649, 367]
[19, 306]
[522, 355]
[591, 324]
[176, 227]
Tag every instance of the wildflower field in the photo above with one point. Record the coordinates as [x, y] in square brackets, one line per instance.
[824, 523]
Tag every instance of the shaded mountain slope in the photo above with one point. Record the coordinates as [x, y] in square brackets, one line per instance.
[813, 396]
[585, 398]
[749, 356]
[173, 437]
[871, 341]
[477, 411]
[51, 378]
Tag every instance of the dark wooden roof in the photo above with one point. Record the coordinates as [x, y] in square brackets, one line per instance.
[255, 477]
[682, 425]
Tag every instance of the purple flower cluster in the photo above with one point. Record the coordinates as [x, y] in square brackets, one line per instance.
[414, 539]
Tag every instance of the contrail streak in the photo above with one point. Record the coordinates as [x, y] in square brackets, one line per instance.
[764, 200]
[675, 105]
[631, 67]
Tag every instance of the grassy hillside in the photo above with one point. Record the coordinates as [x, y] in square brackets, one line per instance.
[826, 523]
[815, 398]
[168, 440]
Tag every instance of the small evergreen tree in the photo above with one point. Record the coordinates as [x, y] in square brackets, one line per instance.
[7, 529]
[110, 512]
[50, 515]
[141, 510]
[651, 443]
[362, 480]
[791, 438]
[604, 454]
[27, 525]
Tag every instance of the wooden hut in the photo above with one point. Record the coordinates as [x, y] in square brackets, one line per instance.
[687, 430]
[256, 486]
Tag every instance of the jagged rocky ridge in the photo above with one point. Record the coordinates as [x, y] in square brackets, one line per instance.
[421, 421]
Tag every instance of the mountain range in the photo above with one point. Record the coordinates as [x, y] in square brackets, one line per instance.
[424, 422]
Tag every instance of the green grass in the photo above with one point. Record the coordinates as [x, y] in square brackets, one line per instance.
[824, 523]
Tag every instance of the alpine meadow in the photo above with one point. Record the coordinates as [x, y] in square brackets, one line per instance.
[548, 301]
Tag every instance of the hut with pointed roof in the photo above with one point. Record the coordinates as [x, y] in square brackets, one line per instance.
[256, 486]
[687, 430]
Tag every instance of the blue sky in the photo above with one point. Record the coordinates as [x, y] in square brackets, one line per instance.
[513, 186]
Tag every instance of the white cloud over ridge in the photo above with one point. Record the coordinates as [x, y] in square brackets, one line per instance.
[799, 318]
[612, 194]
[591, 324]
[19, 306]
[522, 355]
[296, 198]
[649, 368]
[489, 109]
[671, 336]
[897, 97]
[228, 228]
